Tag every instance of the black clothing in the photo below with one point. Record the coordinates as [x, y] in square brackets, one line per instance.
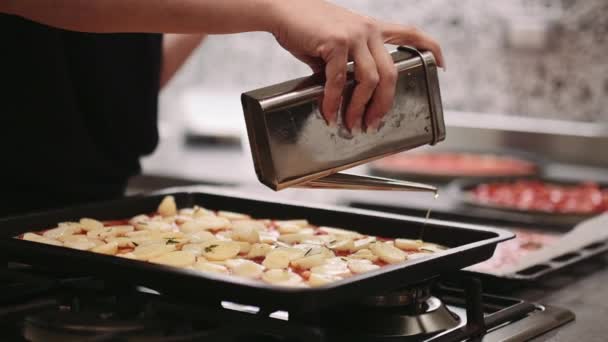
[77, 112]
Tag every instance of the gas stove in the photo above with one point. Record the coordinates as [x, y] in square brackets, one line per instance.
[43, 305]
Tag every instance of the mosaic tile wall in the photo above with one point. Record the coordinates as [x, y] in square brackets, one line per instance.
[490, 69]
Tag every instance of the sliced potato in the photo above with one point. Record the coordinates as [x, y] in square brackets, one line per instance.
[292, 252]
[129, 255]
[109, 248]
[387, 253]
[205, 223]
[257, 225]
[154, 226]
[122, 242]
[281, 277]
[277, 259]
[408, 244]
[138, 219]
[301, 223]
[317, 279]
[112, 231]
[195, 249]
[167, 206]
[245, 268]
[175, 258]
[294, 238]
[205, 266]
[200, 212]
[89, 224]
[259, 250]
[341, 245]
[80, 241]
[361, 265]
[245, 233]
[244, 247]
[268, 237]
[151, 251]
[58, 232]
[200, 236]
[231, 215]
[340, 232]
[309, 261]
[431, 248]
[364, 254]
[333, 266]
[364, 243]
[288, 228]
[220, 250]
[40, 239]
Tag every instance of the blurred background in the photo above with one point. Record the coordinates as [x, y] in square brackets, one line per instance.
[520, 58]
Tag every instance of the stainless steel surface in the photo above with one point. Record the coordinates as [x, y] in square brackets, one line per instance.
[291, 143]
[560, 141]
[348, 181]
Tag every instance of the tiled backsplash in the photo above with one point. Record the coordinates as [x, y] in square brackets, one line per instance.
[564, 75]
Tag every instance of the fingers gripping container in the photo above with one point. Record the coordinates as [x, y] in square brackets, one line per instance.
[292, 145]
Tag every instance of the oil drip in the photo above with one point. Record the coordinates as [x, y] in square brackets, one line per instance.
[428, 215]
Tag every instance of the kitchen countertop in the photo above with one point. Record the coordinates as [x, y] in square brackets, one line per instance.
[581, 288]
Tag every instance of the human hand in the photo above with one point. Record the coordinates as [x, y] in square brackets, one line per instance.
[326, 36]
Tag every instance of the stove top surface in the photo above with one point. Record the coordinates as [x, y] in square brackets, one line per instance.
[38, 305]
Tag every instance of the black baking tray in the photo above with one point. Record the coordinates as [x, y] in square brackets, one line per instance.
[469, 244]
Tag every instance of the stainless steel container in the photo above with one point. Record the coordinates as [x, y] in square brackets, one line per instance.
[292, 145]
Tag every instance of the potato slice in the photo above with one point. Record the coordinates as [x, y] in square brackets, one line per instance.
[151, 251]
[122, 242]
[231, 215]
[109, 248]
[317, 279]
[291, 226]
[281, 277]
[309, 261]
[268, 237]
[277, 259]
[245, 268]
[200, 236]
[301, 223]
[220, 250]
[332, 267]
[294, 238]
[364, 243]
[340, 232]
[250, 224]
[387, 253]
[195, 249]
[89, 224]
[167, 207]
[175, 258]
[40, 239]
[341, 245]
[358, 266]
[245, 233]
[205, 223]
[200, 212]
[58, 232]
[112, 231]
[408, 244]
[244, 247]
[364, 254]
[259, 250]
[160, 226]
[205, 266]
[81, 242]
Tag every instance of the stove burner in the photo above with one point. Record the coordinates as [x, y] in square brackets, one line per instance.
[408, 313]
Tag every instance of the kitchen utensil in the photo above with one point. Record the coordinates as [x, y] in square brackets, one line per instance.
[292, 145]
